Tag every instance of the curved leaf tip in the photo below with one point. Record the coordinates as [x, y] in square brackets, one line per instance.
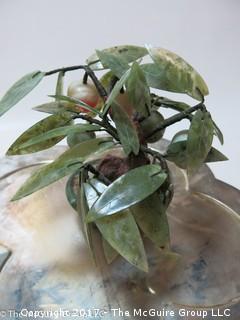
[19, 90]
[172, 73]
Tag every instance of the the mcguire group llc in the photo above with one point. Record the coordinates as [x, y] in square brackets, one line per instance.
[201, 314]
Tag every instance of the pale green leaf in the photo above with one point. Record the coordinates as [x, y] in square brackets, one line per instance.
[172, 73]
[76, 102]
[128, 52]
[116, 64]
[199, 142]
[59, 86]
[115, 91]
[19, 90]
[106, 80]
[122, 233]
[56, 107]
[179, 73]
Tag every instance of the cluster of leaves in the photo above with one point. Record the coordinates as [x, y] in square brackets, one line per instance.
[136, 200]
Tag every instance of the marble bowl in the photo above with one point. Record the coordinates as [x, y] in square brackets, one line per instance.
[45, 265]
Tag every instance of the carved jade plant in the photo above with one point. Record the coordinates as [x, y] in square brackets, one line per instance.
[118, 183]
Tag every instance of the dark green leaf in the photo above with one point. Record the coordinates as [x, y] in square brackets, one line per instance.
[126, 129]
[151, 217]
[116, 64]
[59, 86]
[76, 102]
[115, 92]
[129, 189]
[168, 103]
[138, 90]
[179, 74]
[199, 142]
[218, 133]
[19, 90]
[56, 107]
[67, 163]
[70, 191]
[214, 155]
[60, 132]
[49, 123]
[128, 52]
[120, 231]
[83, 208]
[176, 151]
[109, 253]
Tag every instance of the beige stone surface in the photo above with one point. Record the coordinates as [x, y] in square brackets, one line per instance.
[50, 267]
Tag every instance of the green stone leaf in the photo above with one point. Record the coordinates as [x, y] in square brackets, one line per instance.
[56, 107]
[60, 132]
[129, 189]
[214, 155]
[70, 161]
[138, 90]
[199, 142]
[218, 133]
[83, 208]
[115, 92]
[150, 215]
[19, 90]
[43, 126]
[116, 64]
[93, 189]
[168, 103]
[172, 73]
[187, 80]
[109, 253]
[106, 80]
[127, 52]
[177, 151]
[70, 192]
[59, 86]
[76, 102]
[126, 129]
[120, 231]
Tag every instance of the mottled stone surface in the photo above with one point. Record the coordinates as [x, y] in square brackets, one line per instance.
[50, 266]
